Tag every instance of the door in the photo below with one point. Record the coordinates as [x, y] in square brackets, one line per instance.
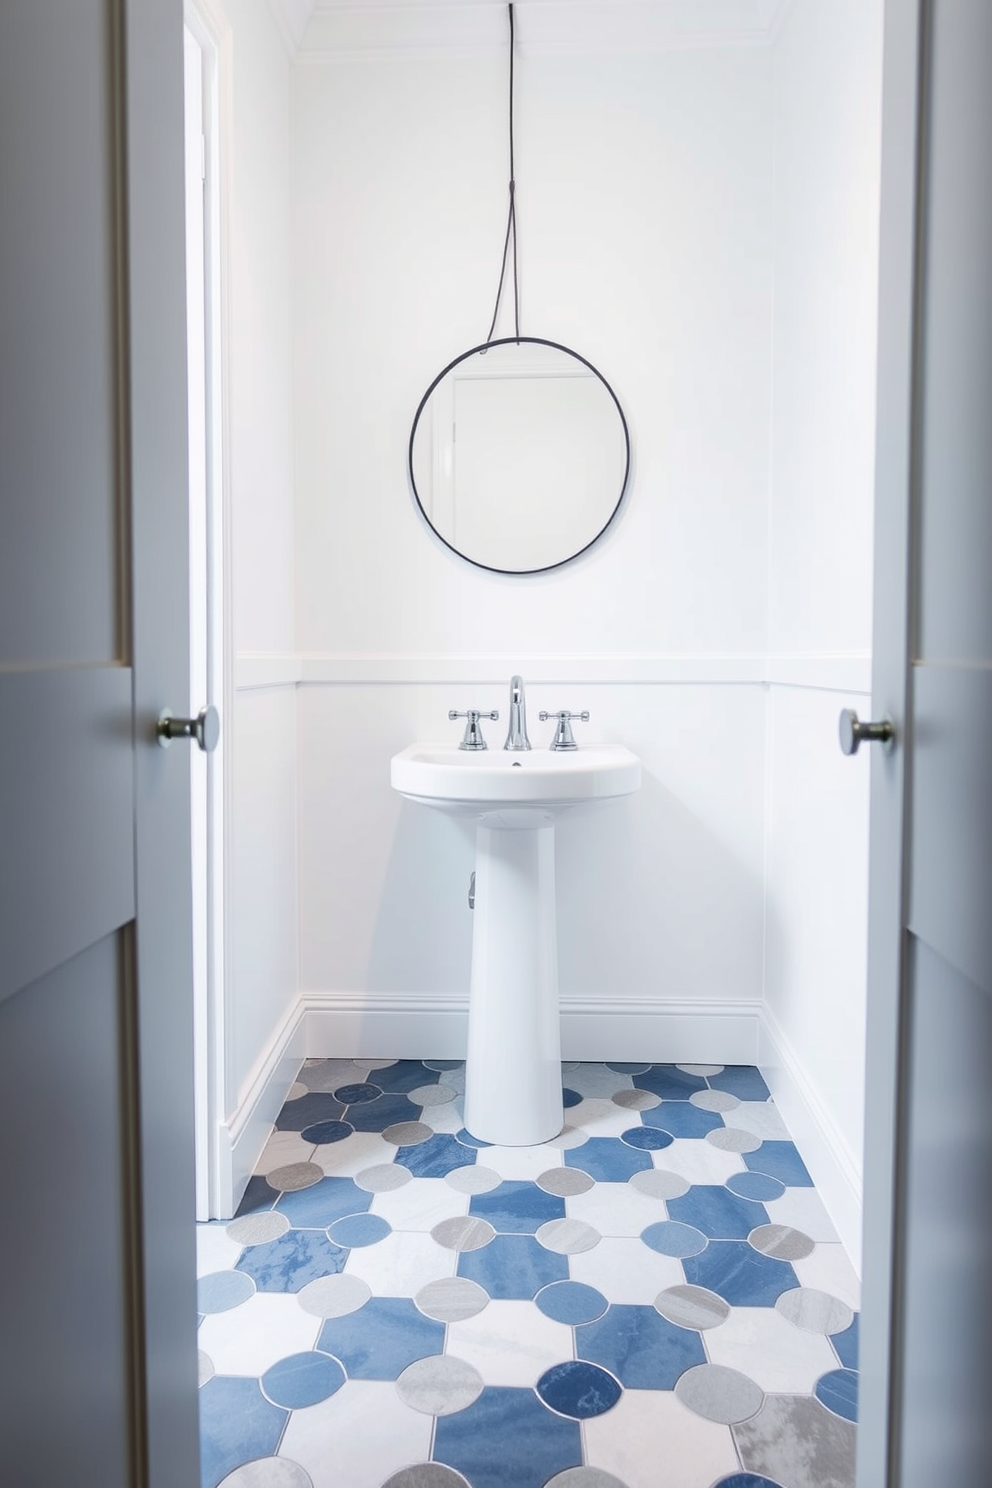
[95, 1017]
[926, 1375]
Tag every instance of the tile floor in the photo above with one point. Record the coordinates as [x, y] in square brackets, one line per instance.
[654, 1299]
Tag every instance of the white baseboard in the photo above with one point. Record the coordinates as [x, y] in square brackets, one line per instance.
[833, 1167]
[244, 1134]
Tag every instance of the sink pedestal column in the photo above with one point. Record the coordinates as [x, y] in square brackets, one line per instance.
[513, 1068]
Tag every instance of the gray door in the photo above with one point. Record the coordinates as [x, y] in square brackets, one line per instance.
[927, 1376]
[98, 1305]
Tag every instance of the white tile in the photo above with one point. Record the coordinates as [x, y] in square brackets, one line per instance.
[251, 1338]
[626, 1270]
[360, 1150]
[514, 1163]
[595, 1080]
[699, 1161]
[803, 1209]
[762, 1119]
[761, 1343]
[283, 1148]
[214, 1251]
[358, 1438]
[420, 1204]
[829, 1270]
[601, 1118]
[401, 1264]
[446, 1118]
[650, 1440]
[510, 1343]
[615, 1209]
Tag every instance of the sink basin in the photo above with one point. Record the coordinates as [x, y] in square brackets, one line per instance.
[503, 788]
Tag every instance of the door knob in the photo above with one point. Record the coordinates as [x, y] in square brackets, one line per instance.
[204, 728]
[854, 733]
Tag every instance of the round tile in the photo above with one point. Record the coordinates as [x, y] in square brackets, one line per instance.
[441, 1065]
[746, 1480]
[205, 1367]
[571, 1302]
[584, 1477]
[757, 1186]
[565, 1181]
[408, 1133]
[268, 1472]
[374, 1064]
[294, 1176]
[647, 1138]
[659, 1183]
[334, 1296]
[439, 1385]
[672, 1238]
[732, 1139]
[472, 1179]
[636, 1100]
[427, 1475]
[222, 1290]
[323, 1132]
[451, 1299]
[463, 1232]
[579, 1390]
[297, 1091]
[567, 1138]
[570, 1098]
[383, 1178]
[302, 1379]
[719, 1394]
[467, 1140]
[257, 1229]
[567, 1236]
[781, 1242]
[432, 1095]
[814, 1311]
[692, 1307]
[713, 1100]
[356, 1230]
[705, 1070]
[838, 1391]
[357, 1095]
[568, 1065]
[628, 1069]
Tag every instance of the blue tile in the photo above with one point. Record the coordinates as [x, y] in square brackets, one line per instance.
[512, 1267]
[258, 1195]
[578, 1389]
[570, 1097]
[672, 1239]
[237, 1424]
[318, 1206]
[620, 1068]
[309, 1109]
[720, 1214]
[407, 1074]
[358, 1095]
[838, 1391]
[571, 1302]
[517, 1207]
[607, 1160]
[846, 1344]
[222, 1290]
[356, 1230]
[742, 1080]
[443, 1064]
[740, 1275]
[779, 1160]
[746, 1480]
[507, 1439]
[466, 1138]
[302, 1379]
[757, 1186]
[323, 1133]
[669, 1082]
[644, 1350]
[287, 1264]
[647, 1138]
[681, 1119]
[437, 1157]
[379, 1340]
[388, 1110]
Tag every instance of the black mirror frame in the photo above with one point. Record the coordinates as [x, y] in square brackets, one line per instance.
[475, 351]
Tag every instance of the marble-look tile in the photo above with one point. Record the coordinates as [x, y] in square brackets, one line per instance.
[439, 1385]
[449, 1117]
[302, 1379]
[359, 1151]
[720, 1214]
[513, 1267]
[334, 1296]
[237, 1423]
[793, 1439]
[692, 1307]
[579, 1389]
[316, 1207]
[452, 1300]
[815, 1311]
[220, 1291]
[644, 1350]
[287, 1264]
[420, 1205]
[600, 1116]
[740, 1275]
[379, 1340]
[401, 1264]
[474, 1179]
[697, 1161]
[650, 1440]
[436, 1157]
[517, 1207]
[215, 1250]
[507, 1439]
[268, 1472]
[250, 1339]
[258, 1229]
[626, 1271]
[327, 1074]
[760, 1117]
[571, 1302]
[521, 1162]
[615, 1208]
[510, 1343]
[597, 1081]
[838, 1391]
[373, 1432]
[829, 1270]
[719, 1394]
[803, 1209]
[761, 1343]
[282, 1148]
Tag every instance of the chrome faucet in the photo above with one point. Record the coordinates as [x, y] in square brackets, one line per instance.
[516, 737]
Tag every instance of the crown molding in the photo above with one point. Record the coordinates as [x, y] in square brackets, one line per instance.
[291, 18]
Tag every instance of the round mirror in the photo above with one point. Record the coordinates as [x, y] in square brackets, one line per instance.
[519, 455]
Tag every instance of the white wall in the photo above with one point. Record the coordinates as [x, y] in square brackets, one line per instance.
[827, 81]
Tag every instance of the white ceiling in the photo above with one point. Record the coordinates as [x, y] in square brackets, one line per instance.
[322, 30]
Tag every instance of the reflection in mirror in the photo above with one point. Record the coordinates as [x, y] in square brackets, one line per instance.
[519, 455]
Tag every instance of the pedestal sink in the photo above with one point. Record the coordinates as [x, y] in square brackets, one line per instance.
[513, 1066]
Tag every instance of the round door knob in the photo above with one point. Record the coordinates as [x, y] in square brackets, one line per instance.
[204, 728]
[853, 732]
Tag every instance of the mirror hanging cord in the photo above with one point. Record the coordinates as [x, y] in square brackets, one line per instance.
[511, 223]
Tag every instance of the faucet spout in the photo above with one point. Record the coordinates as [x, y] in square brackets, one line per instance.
[516, 737]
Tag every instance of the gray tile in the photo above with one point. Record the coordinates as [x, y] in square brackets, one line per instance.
[705, 1070]
[257, 1229]
[334, 1296]
[294, 1176]
[713, 1100]
[408, 1133]
[325, 1075]
[596, 1079]
[463, 1232]
[565, 1181]
[205, 1367]
[268, 1472]
[473, 1179]
[659, 1183]
[432, 1095]
[794, 1440]
[451, 1299]
[568, 1236]
[814, 1311]
[439, 1385]
[374, 1064]
[427, 1475]
[719, 1394]
[636, 1100]
[383, 1177]
[297, 1091]
[692, 1307]
[781, 1241]
[732, 1139]
[584, 1477]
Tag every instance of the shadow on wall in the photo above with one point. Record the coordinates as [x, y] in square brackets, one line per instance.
[650, 903]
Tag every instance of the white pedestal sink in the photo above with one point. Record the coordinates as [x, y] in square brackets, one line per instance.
[513, 1066]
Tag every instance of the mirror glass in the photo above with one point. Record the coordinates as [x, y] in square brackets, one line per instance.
[519, 455]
